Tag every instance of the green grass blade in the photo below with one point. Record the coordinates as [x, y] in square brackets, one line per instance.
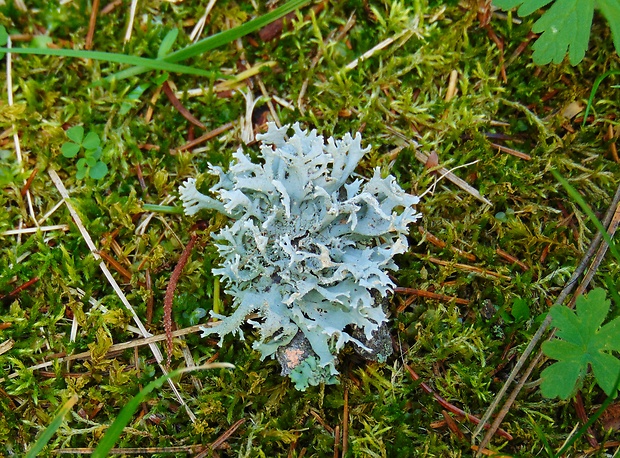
[162, 209]
[584, 429]
[51, 429]
[218, 39]
[147, 64]
[126, 414]
[597, 83]
[588, 211]
[227, 36]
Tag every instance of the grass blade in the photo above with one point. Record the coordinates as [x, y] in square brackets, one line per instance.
[162, 209]
[147, 64]
[227, 36]
[584, 429]
[597, 83]
[126, 414]
[51, 429]
[218, 39]
[588, 211]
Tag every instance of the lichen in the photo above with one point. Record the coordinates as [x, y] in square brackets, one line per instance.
[309, 246]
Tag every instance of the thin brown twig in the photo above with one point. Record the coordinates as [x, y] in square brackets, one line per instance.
[26, 186]
[441, 244]
[133, 450]
[430, 295]
[217, 443]
[477, 270]
[20, 288]
[510, 258]
[423, 158]
[452, 408]
[336, 440]
[613, 214]
[91, 25]
[176, 103]
[204, 138]
[117, 348]
[583, 417]
[511, 151]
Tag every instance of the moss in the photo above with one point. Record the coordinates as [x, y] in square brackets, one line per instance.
[462, 351]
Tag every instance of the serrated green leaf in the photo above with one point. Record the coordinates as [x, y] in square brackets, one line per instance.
[98, 171]
[609, 335]
[611, 11]
[527, 6]
[76, 133]
[569, 326]
[564, 27]
[560, 379]
[70, 149]
[584, 344]
[592, 310]
[605, 368]
[91, 141]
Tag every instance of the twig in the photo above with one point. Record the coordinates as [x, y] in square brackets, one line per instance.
[510, 258]
[452, 408]
[430, 295]
[612, 213]
[511, 151]
[91, 25]
[441, 244]
[132, 15]
[384, 44]
[474, 269]
[176, 103]
[423, 158]
[195, 35]
[134, 450]
[119, 292]
[117, 348]
[20, 288]
[28, 182]
[217, 443]
[204, 138]
[31, 230]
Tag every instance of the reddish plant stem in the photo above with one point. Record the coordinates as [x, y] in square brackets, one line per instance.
[172, 284]
[29, 182]
[17, 290]
[452, 408]
[176, 103]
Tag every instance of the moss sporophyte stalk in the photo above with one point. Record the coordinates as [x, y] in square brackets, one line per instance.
[307, 249]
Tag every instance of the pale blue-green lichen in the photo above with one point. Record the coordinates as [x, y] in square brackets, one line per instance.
[308, 247]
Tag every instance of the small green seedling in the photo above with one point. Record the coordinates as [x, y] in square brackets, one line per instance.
[91, 164]
[582, 343]
[565, 26]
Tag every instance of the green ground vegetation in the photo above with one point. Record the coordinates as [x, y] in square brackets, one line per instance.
[399, 94]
